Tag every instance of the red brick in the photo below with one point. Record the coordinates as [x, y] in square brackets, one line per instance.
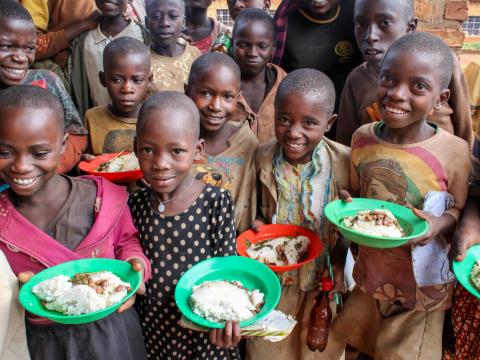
[456, 10]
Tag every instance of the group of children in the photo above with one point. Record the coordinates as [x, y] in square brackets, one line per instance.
[232, 142]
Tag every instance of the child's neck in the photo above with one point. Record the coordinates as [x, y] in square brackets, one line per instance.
[129, 115]
[216, 141]
[196, 20]
[411, 134]
[253, 89]
[169, 50]
[112, 26]
[373, 69]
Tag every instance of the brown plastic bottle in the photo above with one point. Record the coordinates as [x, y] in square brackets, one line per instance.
[320, 318]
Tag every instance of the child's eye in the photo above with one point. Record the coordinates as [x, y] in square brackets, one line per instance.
[386, 79]
[5, 154]
[205, 93]
[283, 121]
[263, 46]
[138, 80]
[5, 47]
[147, 150]
[40, 154]
[386, 23]
[178, 151]
[421, 86]
[310, 123]
[229, 97]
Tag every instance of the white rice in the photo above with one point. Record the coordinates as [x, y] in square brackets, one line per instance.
[221, 301]
[59, 294]
[475, 275]
[127, 162]
[279, 251]
[362, 222]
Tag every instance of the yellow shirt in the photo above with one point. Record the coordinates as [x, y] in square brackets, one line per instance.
[109, 133]
[171, 73]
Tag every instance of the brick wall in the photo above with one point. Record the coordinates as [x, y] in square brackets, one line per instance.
[443, 18]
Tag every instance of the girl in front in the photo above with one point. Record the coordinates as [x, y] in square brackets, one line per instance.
[181, 221]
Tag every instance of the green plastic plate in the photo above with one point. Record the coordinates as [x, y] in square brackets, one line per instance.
[413, 226]
[462, 269]
[120, 268]
[251, 273]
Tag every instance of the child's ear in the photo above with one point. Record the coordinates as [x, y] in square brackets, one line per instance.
[64, 142]
[412, 25]
[442, 99]
[101, 76]
[266, 4]
[199, 150]
[330, 122]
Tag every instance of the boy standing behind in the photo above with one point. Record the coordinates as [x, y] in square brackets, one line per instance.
[87, 53]
[126, 76]
[228, 161]
[378, 24]
[299, 173]
[401, 159]
[254, 45]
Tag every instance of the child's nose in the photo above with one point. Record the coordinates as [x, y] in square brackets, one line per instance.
[19, 56]
[397, 93]
[161, 162]
[127, 87]
[21, 165]
[372, 34]
[215, 104]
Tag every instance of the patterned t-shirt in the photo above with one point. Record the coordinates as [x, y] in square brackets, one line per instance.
[401, 174]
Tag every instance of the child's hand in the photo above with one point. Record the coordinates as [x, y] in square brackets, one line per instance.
[345, 196]
[87, 157]
[338, 281]
[24, 276]
[436, 225]
[257, 224]
[228, 337]
[137, 265]
[464, 238]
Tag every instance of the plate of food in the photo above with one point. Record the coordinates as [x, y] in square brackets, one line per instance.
[220, 289]
[120, 167]
[80, 291]
[467, 271]
[282, 247]
[375, 223]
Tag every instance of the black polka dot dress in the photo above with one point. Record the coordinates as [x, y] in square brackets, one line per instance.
[174, 244]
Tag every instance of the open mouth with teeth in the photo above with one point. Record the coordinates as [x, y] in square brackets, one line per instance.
[293, 147]
[25, 182]
[394, 110]
[14, 72]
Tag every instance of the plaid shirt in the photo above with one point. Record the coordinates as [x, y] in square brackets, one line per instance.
[285, 8]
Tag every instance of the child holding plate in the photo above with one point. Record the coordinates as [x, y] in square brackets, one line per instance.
[181, 222]
[299, 173]
[402, 159]
[48, 219]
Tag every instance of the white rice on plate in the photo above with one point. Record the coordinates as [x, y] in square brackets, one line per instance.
[475, 275]
[286, 250]
[220, 301]
[89, 292]
[377, 222]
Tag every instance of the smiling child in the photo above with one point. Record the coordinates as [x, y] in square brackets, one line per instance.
[181, 221]
[299, 173]
[378, 23]
[393, 314]
[171, 57]
[254, 45]
[214, 86]
[48, 219]
[126, 77]
[17, 41]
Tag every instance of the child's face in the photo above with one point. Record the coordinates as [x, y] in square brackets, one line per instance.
[30, 151]
[320, 7]
[235, 6]
[378, 23]
[166, 148]
[409, 89]
[253, 47]
[17, 50]
[300, 123]
[215, 91]
[165, 21]
[198, 4]
[127, 79]
[111, 8]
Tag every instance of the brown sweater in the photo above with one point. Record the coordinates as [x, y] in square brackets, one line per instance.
[358, 105]
[263, 124]
[51, 17]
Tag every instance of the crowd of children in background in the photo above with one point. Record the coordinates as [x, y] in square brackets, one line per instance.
[228, 142]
